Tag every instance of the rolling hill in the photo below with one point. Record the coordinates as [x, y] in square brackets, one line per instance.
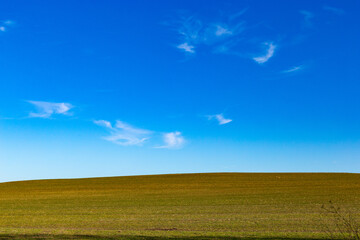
[181, 206]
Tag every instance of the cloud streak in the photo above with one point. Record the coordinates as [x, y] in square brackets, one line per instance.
[47, 109]
[124, 134]
[334, 10]
[269, 53]
[294, 69]
[220, 118]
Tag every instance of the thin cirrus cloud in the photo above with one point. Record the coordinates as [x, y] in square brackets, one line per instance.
[193, 32]
[5, 24]
[173, 140]
[294, 69]
[48, 109]
[224, 36]
[124, 134]
[308, 16]
[269, 53]
[220, 31]
[220, 118]
[334, 10]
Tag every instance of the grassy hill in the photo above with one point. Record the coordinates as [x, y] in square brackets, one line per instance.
[186, 206]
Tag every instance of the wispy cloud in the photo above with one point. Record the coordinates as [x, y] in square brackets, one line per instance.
[189, 29]
[294, 69]
[5, 24]
[103, 123]
[308, 16]
[226, 35]
[238, 14]
[269, 53]
[220, 118]
[124, 134]
[193, 32]
[186, 47]
[334, 10]
[127, 135]
[220, 31]
[47, 109]
[8, 22]
[173, 140]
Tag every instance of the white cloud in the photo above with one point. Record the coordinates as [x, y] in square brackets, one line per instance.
[294, 69]
[193, 32]
[47, 109]
[269, 53]
[186, 47]
[334, 10]
[5, 23]
[220, 118]
[103, 123]
[173, 140]
[124, 134]
[222, 31]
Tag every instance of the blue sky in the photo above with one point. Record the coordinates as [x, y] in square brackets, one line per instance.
[107, 88]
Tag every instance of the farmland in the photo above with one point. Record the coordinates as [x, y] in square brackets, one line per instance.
[178, 206]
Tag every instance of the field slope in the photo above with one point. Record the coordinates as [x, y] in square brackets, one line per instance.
[186, 206]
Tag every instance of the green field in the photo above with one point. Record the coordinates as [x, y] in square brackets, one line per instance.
[179, 206]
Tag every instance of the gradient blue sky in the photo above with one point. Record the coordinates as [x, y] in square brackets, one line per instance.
[106, 88]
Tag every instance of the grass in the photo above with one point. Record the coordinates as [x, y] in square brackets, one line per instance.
[179, 206]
